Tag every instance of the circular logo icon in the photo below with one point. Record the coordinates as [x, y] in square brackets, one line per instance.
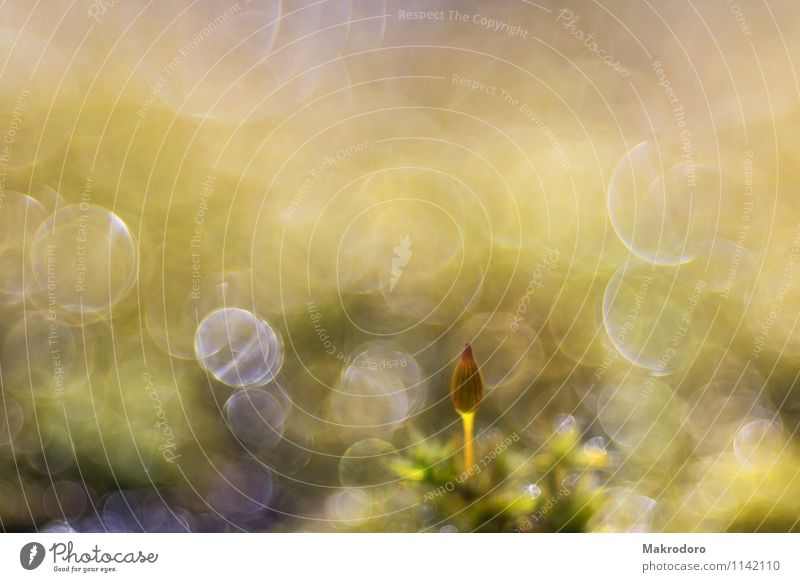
[31, 555]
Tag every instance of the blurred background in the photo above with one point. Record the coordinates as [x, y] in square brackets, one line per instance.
[243, 244]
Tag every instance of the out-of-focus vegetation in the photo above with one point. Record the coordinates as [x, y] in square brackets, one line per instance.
[242, 248]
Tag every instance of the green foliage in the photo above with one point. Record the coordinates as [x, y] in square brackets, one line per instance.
[508, 489]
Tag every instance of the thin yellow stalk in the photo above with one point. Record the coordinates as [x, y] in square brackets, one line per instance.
[468, 420]
[466, 391]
